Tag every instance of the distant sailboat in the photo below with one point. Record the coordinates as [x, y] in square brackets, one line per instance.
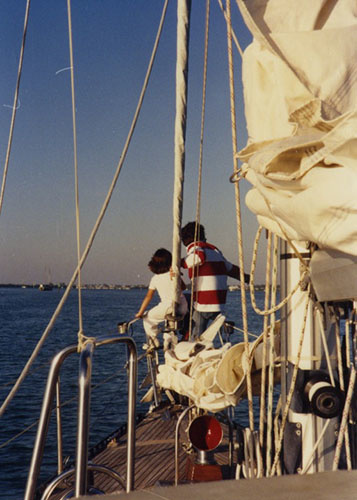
[48, 286]
[45, 287]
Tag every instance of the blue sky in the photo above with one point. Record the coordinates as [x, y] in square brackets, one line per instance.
[112, 41]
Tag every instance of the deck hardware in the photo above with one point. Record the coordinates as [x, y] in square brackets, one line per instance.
[206, 434]
[68, 473]
[326, 400]
[122, 327]
[179, 421]
[84, 398]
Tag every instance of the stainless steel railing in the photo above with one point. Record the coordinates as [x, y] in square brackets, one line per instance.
[85, 371]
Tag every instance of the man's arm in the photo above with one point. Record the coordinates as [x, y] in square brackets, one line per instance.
[235, 273]
[195, 257]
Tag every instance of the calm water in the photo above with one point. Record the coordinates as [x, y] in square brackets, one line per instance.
[24, 315]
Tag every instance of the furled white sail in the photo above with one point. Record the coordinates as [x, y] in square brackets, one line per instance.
[213, 378]
[300, 90]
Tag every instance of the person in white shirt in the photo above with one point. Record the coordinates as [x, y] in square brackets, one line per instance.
[160, 265]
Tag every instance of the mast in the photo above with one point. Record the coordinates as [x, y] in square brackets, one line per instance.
[312, 421]
[183, 19]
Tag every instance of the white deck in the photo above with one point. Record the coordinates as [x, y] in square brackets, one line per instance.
[340, 485]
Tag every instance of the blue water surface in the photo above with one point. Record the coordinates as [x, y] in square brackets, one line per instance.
[24, 315]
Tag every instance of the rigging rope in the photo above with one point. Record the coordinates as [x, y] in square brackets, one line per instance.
[14, 107]
[342, 384]
[62, 405]
[292, 387]
[272, 356]
[345, 413]
[251, 283]
[309, 460]
[238, 210]
[204, 85]
[233, 34]
[276, 434]
[195, 268]
[75, 158]
[265, 336]
[183, 19]
[325, 346]
[96, 225]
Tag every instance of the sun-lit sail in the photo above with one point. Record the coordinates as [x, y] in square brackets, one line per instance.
[301, 153]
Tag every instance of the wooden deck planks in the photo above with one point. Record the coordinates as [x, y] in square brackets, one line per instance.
[154, 454]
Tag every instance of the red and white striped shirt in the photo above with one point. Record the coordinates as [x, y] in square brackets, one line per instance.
[210, 269]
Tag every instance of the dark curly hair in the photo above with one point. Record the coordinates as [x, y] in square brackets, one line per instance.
[188, 233]
[161, 261]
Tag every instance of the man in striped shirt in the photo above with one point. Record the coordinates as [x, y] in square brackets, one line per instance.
[209, 269]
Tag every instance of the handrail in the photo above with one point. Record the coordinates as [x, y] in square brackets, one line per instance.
[83, 412]
[68, 473]
[44, 421]
[59, 428]
[84, 394]
[177, 441]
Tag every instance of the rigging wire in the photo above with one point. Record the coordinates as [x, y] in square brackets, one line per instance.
[238, 211]
[279, 443]
[272, 355]
[14, 107]
[342, 386]
[235, 39]
[345, 413]
[62, 405]
[31, 372]
[310, 459]
[96, 225]
[286, 299]
[75, 159]
[183, 22]
[195, 268]
[265, 338]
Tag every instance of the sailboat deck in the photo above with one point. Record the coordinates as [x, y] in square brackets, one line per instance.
[154, 455]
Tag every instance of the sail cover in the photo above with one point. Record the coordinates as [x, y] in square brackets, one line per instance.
[300, 92]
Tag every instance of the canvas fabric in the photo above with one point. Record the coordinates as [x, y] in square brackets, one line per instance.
[300, 91]
[213, 378]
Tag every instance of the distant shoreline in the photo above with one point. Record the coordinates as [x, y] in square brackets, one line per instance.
[58, 286]
[104, 286]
